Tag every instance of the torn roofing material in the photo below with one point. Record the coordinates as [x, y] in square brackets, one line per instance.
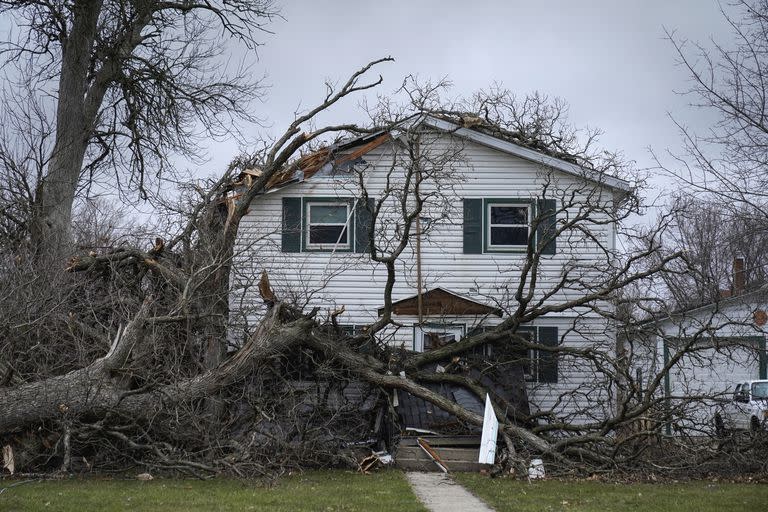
[468, 126]
[335, 155]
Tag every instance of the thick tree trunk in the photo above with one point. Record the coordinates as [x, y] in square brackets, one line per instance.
[92, 391]
[52, 219]
[87, 390]
[52, 216]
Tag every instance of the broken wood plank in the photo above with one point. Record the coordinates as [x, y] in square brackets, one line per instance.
[433, 454]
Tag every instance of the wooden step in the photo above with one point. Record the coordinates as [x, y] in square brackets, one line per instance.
[447, 454]
[442, 440]
[413, 458]
[410, 464]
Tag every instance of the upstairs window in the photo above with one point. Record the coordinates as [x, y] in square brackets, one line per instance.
[496, 225]
[508, 224]
[327, 225]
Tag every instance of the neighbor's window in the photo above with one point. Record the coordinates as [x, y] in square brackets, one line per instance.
[327, 225]
[759, 390]
[509, 225]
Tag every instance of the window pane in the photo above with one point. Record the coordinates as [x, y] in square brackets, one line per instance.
[438, 339]
[509, 215]
[327, 214]
[327, 234]
[760, 390]
[509, 236]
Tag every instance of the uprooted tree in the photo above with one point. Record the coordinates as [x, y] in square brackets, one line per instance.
[165, 391]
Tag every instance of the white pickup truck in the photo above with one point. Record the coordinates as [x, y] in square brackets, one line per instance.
[746, 410]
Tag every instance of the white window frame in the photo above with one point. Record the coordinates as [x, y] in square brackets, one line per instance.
[420, 330]
[334, 245]
[494, 247]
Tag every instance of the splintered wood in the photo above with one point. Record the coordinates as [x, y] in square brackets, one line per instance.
[432, 454]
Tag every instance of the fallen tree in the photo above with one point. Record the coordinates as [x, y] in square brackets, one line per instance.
[95, 390]
[170, 393]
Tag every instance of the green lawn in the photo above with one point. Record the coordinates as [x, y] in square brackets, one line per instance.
[587, 496]
[315, 491]
[381, 491]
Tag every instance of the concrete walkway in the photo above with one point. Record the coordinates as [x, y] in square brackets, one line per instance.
[439, 493]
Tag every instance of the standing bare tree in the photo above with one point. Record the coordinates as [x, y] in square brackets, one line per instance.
[132, 82]
[727, 162]
[721, 214]
[714, 238]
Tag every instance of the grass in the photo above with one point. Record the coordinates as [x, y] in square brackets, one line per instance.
[345, 491]
[590, 496]
[315, 491]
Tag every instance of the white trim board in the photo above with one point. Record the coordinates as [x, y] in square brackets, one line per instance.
[528, 154]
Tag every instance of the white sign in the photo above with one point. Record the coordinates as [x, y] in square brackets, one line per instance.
[490, 432]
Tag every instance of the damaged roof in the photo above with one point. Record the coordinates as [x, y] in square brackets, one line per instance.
[469, 127]
[329, 157]
[334, 155]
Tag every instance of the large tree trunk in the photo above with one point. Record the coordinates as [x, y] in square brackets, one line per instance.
[93, 391]
[87, 390]
[52, 217]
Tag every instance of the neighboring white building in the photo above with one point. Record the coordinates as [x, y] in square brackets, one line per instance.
[487, 196]
[708, 349]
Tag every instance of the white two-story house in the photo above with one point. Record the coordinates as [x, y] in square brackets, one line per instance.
[490, 201]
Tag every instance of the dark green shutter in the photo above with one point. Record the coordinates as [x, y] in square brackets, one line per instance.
[291, 224]
[363, 225]
[473, 226]
[547, 226]
[548, 360]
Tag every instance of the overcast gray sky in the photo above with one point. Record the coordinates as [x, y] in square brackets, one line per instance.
[609, 59]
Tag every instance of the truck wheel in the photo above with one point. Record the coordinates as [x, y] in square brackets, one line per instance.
[754, 424]
[719, 426]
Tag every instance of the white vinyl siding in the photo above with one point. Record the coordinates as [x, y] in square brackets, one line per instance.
[331, 280]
